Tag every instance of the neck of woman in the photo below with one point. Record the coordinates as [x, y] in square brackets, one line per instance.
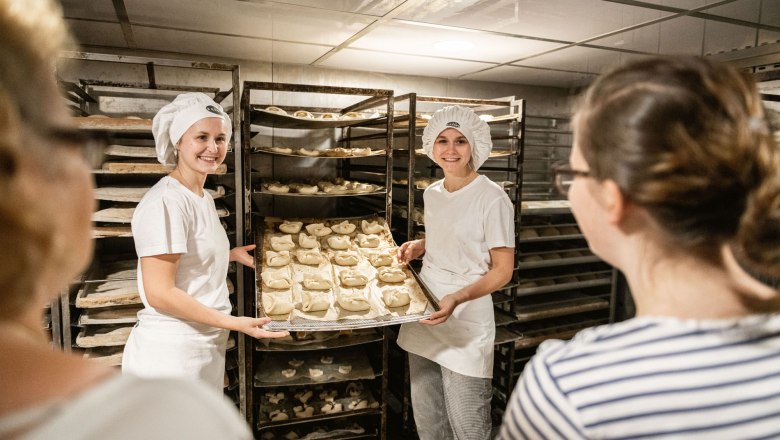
[454, 182]
[191, 180]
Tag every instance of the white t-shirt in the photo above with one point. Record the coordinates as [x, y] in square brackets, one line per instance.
[125, 407]
[171, 219]
[460, 229]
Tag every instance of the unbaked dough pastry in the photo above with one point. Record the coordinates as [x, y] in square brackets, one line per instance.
[289, 227]
[318, 229]
[304, 396]
[303, 114]
[345, 369]
[278, 188]
[315, 281]
[338, 242]
[308, 152]
[295, 363]
[312, 257]
[275, 398]
[352, 278]
[307, 189]
[391, 274]
[308, 241]
[337, 152]
[278, 415]
[368, 241]
[343, 258]
[277, 303]
[289, 372]
[380, 259]
[277, 259]
[331, 407]
[303, 412]
[282, 150]
[282, 243]
[276, 280]
[360, 151]
[326, 360]
[344, 227]
[371, 227]
[358, 404]
[314, 373]
[335, 189]
[361, 188]
[330, 116]
[396, 297]
[353, 301]
[354, 389]
[328, 395]
[350, 115]
[274, 109]
[315, 300]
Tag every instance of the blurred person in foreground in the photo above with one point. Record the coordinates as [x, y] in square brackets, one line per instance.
[45, 393]
[673, 177]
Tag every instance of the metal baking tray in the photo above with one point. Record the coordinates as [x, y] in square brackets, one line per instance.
[303, 324]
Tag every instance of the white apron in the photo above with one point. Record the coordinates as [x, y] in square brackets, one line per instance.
[463, 343]
[157, 350]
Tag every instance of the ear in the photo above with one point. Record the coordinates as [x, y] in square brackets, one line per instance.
[615, 202]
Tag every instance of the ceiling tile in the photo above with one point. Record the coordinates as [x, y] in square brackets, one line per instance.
[741, 10]
[353, 59]
[95, 9]
[226, 46]
[368, 7]
[538, 77]
[725, 37]
[568, 20]
[420, 40]
[575, 59]
[645, 39]
[683, 35]
[95, 33]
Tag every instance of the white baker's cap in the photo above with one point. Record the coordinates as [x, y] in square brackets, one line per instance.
[174, 119]
[463, 119]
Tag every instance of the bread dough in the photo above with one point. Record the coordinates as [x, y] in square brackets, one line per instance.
[290, 227]
[289, 372]
[396, 296]
[278, 415]
[312, 257]
[315, 281]
[350, 115]
[391, 274]
[308, 189]
[303, 411]
[318, 229]
[304, 396]
[278, 188]
[354, 389]
[358, 404]
[315, 300]
[368, 241]
[380, 259]
[329, 395]
[352, 278]
[277, 303]
[308, 241]
[295, 363]
[326, 360]
[308, 152]
[331, 407]
[276, 280]
[283, 243]
[345, 369]
[282, 150]
[344, 227]
[353, 301]
[274, 109]
[277, 259]
[345, 258]
[371, 227]
[314, 373]
[339, 242]
[335, 189]
[275, 398]
[303, 114]
[360, 151]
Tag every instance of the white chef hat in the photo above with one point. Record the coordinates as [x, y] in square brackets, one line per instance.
[174, 119]
[463, 119]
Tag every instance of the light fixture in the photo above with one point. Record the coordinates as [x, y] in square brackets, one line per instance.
[453, 45]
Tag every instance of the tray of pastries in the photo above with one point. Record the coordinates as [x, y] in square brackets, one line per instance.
[335, 274]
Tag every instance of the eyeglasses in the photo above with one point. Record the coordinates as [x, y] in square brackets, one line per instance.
[92, 143]
[563, 176]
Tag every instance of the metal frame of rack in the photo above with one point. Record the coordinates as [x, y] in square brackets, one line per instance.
[254, 115]
[82, 96]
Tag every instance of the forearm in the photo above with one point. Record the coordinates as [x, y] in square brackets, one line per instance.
[493, 280]
[176, 302]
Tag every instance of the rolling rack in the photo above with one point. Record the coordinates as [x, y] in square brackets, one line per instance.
[506, 118]
[560, 286]
[355, 127]
[99, 309]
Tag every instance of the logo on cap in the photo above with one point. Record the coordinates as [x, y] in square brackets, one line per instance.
[452, 124]
[214, 110]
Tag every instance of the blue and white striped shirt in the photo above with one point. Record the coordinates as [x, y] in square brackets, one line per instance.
[653, 377]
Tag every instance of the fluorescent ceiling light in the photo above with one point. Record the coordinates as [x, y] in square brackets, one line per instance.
[453, 45]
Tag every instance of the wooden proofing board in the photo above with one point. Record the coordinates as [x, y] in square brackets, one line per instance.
[335, 316]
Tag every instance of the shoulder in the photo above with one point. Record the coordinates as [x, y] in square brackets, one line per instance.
[164, 193]
[491, 188]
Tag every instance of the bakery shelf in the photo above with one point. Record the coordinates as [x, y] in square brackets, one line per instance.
[301, 366]
[261, 116]
[306, 341]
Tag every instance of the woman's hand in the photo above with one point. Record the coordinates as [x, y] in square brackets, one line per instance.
[410, 250]
[253, 327]
[241, 254]
[447, 305]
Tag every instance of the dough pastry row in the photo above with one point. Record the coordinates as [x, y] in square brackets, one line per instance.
[330, 152]
[322, 187]
[323, 116]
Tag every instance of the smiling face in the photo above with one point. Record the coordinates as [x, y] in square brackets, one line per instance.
[452, 152]
[203, 146]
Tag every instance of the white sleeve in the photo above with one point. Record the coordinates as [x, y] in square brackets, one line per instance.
[500, 223]
[538, 409]
[160, 227]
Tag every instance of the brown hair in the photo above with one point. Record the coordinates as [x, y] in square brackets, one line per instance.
[686, 138]
[33, 34]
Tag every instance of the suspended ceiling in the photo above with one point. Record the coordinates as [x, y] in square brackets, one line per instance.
[562, 43]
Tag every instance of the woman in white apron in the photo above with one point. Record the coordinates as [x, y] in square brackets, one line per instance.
[183, 253]
[468, 252]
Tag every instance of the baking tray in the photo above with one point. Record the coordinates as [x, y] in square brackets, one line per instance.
[269, 371]
[319, 340]
[110, 315]
[297, 323]
[103, 336]
[379, 192]
[260, 116]
[323, 154]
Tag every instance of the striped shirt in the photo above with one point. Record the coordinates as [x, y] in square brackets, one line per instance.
[656, 378]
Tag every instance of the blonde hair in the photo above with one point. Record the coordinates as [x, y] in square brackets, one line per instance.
[33, 34]
[686, 138]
